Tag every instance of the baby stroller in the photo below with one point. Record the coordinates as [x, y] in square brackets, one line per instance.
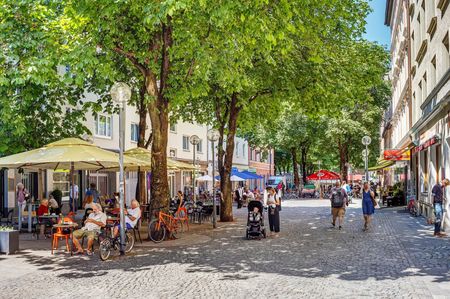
[255, 220]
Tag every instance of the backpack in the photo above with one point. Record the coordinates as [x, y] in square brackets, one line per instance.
[337, 198]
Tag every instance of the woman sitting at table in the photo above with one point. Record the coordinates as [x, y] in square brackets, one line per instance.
[53, 206]
[89, 202]
[43, 211]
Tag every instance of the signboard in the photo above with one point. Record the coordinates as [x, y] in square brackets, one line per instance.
[396, 155]
[432, 141]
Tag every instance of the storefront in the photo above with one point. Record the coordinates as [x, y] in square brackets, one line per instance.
[428, 165]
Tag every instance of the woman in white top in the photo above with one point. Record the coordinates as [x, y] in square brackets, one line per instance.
[273, 201]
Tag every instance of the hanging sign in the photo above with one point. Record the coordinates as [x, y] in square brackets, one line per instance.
[396, 155]
[432, 141]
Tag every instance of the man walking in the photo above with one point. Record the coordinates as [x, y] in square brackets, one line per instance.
[339, 200]
[73, 197]
[438, 198]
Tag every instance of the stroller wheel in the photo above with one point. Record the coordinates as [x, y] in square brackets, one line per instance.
[247, 235]
[264, 233]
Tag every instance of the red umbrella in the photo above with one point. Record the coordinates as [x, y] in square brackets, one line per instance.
[323, 175]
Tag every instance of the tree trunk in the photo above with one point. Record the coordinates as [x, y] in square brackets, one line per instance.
[141, 190]
[295, 166]
[343, 155]
[304, 153]
[226, 211]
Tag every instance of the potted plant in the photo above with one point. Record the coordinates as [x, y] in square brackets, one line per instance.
[9, 239]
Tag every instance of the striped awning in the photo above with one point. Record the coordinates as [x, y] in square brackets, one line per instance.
[381, 165]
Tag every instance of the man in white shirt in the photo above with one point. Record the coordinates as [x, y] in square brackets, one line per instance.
[91, 229]
[131, 217]
[73, 198]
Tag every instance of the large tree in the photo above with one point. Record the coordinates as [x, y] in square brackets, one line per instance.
[267, 59]
[38, 103]
[161, 42]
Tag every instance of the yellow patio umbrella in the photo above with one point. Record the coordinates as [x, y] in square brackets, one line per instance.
[144, 156]
[68, 153]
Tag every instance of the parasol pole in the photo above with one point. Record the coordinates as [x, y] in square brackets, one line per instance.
[72, 169]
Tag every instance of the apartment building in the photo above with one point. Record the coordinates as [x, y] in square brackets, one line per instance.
[397, 118]
[419, 117]
[430, 72]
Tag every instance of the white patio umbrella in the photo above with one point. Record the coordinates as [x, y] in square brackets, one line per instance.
[235, 178]
[205, 178]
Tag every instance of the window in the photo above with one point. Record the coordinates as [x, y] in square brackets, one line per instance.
[433, 73]
[424, 86]
[185, 143]
[200, 146]
[103, 126]
[444, 65]
[173, 128]
[172, 153]
[237, 149]
[243, 151]
[134, 132]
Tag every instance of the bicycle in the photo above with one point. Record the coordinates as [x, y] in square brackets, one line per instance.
[110, 243]
[164, 225]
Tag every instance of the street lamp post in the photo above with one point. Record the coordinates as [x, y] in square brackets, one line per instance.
[366, 140]
[121, 93]
[194, 140]
[320, 174]
[213, 136]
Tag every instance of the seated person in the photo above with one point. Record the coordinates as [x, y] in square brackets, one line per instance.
[43, 208]
[41, 211]
[255, 215]
[54, 207]
[131, 217]
[89, 201]
[113, 200]
[91, 229]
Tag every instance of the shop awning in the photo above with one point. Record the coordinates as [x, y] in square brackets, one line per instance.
[381, 165]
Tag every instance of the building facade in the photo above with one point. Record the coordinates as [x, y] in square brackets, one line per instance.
[426, 126]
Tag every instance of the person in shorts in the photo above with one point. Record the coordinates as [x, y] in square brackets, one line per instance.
[91, 229]
[339, 200]
[131, 217]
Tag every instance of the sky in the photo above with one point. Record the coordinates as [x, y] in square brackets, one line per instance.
[375, 28]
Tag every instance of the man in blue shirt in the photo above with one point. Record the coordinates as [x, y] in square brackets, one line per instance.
[438, 198]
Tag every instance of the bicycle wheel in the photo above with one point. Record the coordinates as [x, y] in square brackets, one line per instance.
[129, 241]
[156, 231]
[104, 249]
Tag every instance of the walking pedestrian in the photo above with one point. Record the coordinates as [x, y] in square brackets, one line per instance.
[92, 191]
[21, 195]
[339, 200]
[273, 202]
[438, 200]
[368, 205]
[238, 197]
[73, 197]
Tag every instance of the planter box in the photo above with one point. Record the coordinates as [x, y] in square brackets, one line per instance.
[9, 241]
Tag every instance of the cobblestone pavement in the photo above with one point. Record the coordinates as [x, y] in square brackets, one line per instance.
[399, 258]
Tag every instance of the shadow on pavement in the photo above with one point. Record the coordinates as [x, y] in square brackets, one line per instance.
[398, 246]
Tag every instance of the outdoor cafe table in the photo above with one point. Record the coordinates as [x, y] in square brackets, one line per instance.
[71, 227]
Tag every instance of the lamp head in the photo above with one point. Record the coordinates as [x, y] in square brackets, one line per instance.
[120, 92]
[366, 140]
[213, 135]
[194, 140]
